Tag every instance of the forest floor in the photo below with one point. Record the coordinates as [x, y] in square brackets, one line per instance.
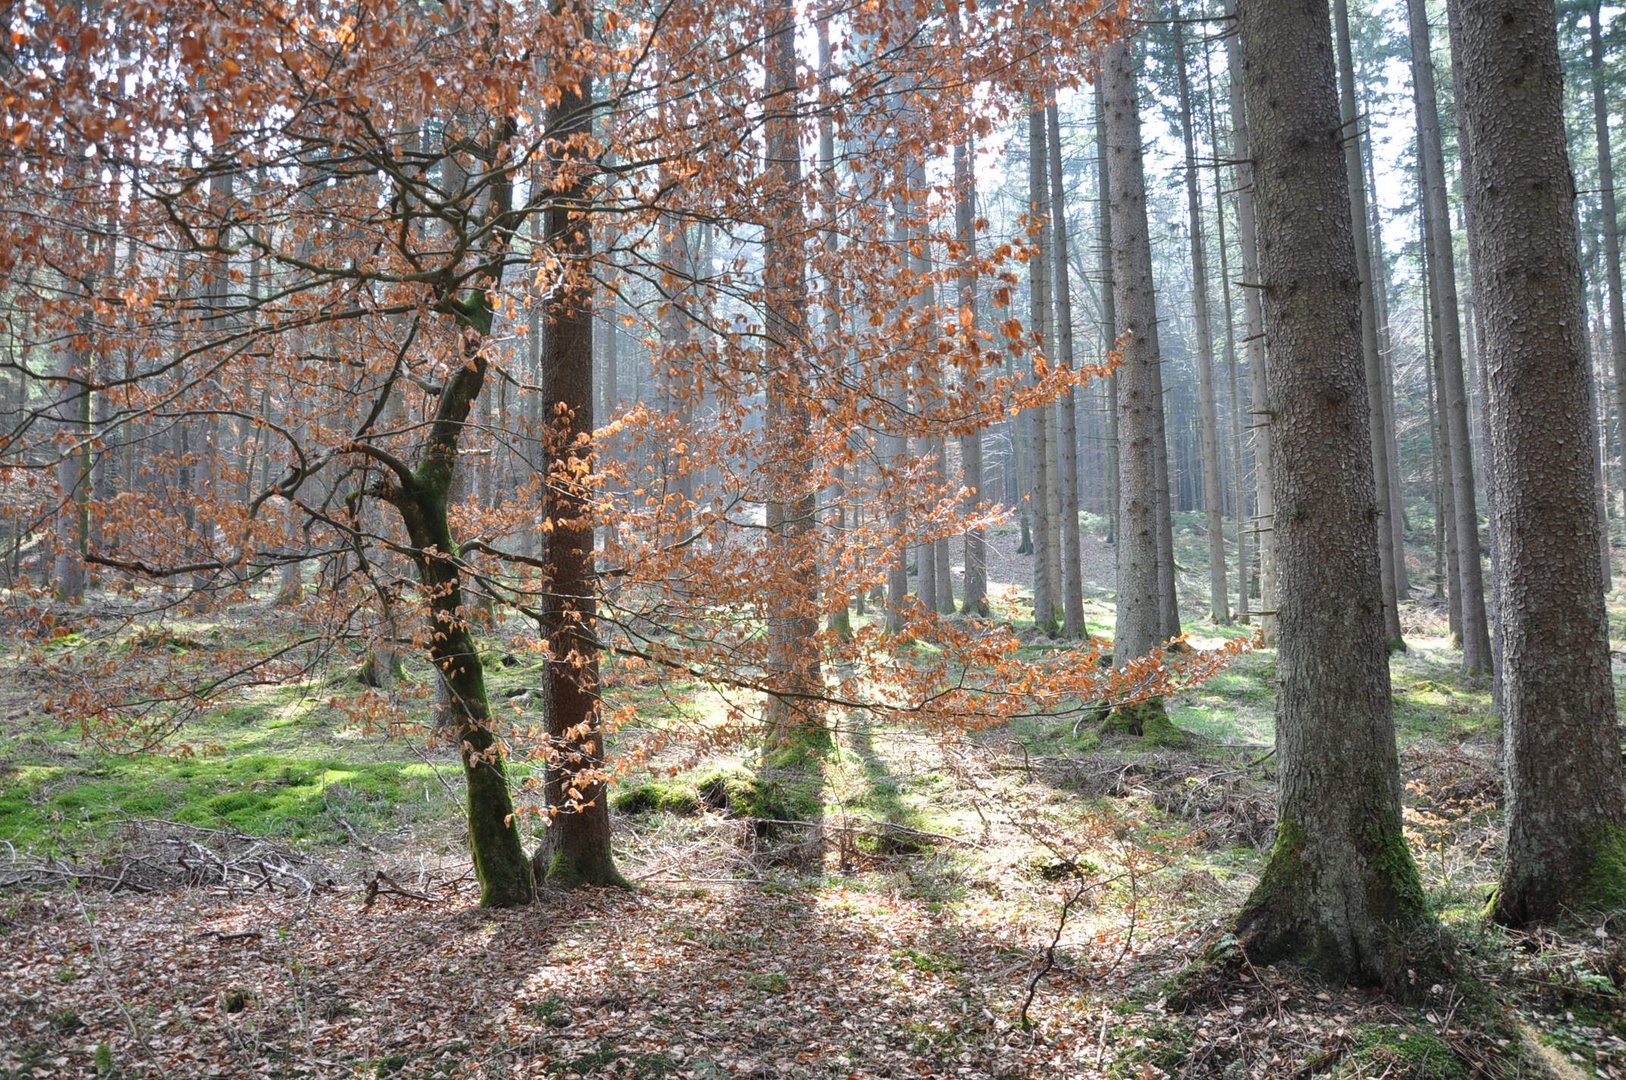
[291, 898]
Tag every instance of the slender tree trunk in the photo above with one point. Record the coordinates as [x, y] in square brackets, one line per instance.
[1377, 393]
[1072, 567]
[575, 850]
[793, 616]
[1207, 411]
[1340, 890]
[1254, 338]
[1041, 420]
[1566, 815]
[971, 458]
[1611, 232]
[1109, 312]
[1239, 486]
[1139, 622]
[1476, 645]
[1380, 293]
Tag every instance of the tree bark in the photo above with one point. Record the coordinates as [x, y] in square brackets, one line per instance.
[1566, 846]
[1072, 567]
[575, 849]
[1041, 419]
[1476, 644]
[1340, 891]
[1377, 393]
[793, 617]
[971, 457]
[1109, 310]
[1140, 430]
[1611, 228]
[1207, 411]
[1263, 422]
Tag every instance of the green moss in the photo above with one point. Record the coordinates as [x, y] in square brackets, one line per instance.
[258, 794]
[653, 796]
[1396, 887]
[1606, 885]
[1147, 720]
[565, 872]
[1401, 1053]
[778, 795]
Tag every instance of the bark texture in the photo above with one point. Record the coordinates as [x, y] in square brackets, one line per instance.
[1207, 409]
[575, 849]
[1253, 337]
[1340, 892]
[1140, 405]
[1476, 645]
[1566, 846]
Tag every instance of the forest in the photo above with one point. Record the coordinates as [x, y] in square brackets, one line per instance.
[843, 538]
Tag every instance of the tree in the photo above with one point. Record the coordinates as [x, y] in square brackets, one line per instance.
[1476, 645]
[1391, 558]
[1072, 584]
[1340, 890]
[1208, 420]
[363, 406]
[1566, 846]
[1142, 503]
[1254, 333]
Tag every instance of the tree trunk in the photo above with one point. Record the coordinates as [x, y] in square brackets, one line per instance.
[1611, 231]
[1476, 645]
[1208, 415]
[1072, 566]
[1109, 311]
[1377, 393]
[575, 849]
[1238, 486]
[1263, 422]
[1041, 419]
[1340, 891]
[793, 606]
[1566, 846]
[971, 463]
[1139, 622]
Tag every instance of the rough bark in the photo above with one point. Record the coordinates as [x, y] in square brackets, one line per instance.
[1219, 606]
[1109, 308]
[1253, 337]
[1476, 645]
[1611, 226]
[1340, 891]
[793, 615]
[575, 849]
[1376, 391]
[1139, 625]
[1566, 845]
[971, 458]
[1072, 568]
[1041, 420]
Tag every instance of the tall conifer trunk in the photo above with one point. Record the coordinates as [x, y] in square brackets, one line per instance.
[1340, 890]
[1566, 817]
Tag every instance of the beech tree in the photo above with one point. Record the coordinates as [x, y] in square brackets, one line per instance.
[342, 330]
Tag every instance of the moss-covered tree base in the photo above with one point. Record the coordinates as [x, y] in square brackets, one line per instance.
[1598, 886]
[1300, 912]
[1146, 720]
[559, 870]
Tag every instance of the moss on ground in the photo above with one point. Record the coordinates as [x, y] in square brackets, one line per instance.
[1400, 1053]
[656, 797]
